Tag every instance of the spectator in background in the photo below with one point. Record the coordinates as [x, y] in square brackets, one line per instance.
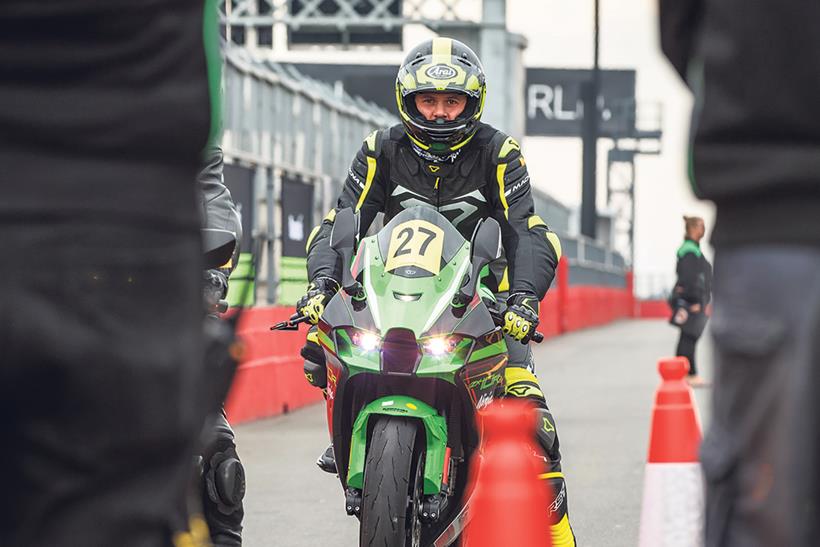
[104, 111]
[691, 294]
[754, 66]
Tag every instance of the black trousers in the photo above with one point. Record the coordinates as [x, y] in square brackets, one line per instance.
[686, 348]
[101, 365]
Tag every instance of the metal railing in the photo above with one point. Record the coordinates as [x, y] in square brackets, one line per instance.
[280, 124]
[591, 263]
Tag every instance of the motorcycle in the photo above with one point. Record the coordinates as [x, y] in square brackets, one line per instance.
[412, 351]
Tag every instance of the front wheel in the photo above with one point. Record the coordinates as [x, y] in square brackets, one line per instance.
[393, 485]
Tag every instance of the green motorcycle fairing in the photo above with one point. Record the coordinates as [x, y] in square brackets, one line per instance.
[398, 405]
[415, 295]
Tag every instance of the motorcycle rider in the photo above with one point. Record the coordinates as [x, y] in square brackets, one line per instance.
[223, 477]
[442, 156]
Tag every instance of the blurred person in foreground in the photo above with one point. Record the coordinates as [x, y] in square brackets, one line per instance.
[754, 67]
[221, 483]
[691, 295]
[104, 111]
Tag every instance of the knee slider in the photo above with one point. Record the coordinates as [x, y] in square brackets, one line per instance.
[225, 481]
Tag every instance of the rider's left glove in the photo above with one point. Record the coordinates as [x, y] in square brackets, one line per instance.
[320, 291]
[521, 316]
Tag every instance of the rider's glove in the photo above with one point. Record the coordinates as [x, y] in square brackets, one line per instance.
[521, 316]
[320, 291]
[215, 285]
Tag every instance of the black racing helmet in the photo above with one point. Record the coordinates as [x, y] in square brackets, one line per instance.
[441, 64]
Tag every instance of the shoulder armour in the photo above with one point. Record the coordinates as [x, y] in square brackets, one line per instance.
[374, 142]
[504, 148]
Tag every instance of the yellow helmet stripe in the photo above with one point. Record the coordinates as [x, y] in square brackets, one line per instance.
[442, 50]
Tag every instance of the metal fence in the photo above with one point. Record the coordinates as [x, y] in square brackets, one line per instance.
[591, 263]
[283, 127]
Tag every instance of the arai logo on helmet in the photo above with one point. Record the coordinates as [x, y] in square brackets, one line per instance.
[440, 72]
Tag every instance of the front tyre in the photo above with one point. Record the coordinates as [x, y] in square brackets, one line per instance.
[393, 485]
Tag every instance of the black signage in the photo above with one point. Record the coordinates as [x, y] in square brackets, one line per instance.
[239, 180]
[554, 108]
[297, 216]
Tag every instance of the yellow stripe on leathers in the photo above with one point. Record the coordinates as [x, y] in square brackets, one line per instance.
[197, 536]
[442, 50]
[562, 534]
[499, 175]
[371, 172]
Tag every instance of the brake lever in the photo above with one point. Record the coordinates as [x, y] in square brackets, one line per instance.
[290, 324]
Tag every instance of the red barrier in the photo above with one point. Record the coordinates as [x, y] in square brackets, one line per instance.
[653, 309]
[269, 381]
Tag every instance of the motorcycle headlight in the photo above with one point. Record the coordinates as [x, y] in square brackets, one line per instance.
[452, 346]
[366, 341]
[352, 341]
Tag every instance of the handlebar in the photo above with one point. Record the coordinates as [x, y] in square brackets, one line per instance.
[498, 318]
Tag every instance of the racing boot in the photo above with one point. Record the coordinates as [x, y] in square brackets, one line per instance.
[522, 384]
[327, 461]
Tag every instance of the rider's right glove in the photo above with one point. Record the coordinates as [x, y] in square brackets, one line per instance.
[320, 291]
[521, 316]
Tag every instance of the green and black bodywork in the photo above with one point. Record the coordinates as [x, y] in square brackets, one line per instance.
[412, 352]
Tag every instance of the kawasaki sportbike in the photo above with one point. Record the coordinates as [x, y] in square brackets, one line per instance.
[412, 351]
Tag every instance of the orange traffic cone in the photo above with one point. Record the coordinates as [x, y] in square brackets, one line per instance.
[509, 504]
[672, 510]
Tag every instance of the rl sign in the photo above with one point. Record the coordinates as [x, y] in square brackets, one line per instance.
[554, 107]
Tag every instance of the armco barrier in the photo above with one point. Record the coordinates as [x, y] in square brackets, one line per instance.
[652, 309]
[270, 380]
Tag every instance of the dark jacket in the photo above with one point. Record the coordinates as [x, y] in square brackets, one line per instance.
[104, 110]
[488, 179]
[694, 282]
[218, 208]
[754, 66]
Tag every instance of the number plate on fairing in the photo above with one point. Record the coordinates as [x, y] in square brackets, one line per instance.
[415, 243]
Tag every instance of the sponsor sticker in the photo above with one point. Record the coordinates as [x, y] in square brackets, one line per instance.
[440, 72]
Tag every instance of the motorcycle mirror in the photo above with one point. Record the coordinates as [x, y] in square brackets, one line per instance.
[217, 247]
[344, 230]
[485, 246]
[343, 241]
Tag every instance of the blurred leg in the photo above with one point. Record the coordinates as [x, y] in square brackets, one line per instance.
[101, 369]
[761, 452]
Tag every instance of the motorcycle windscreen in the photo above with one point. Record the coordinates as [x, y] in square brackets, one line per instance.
[412, 269]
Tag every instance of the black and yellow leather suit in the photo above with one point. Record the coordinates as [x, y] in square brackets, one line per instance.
[486, 178]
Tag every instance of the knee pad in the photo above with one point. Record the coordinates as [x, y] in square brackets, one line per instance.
[547, 437]
[523, 384]
[225, 480]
